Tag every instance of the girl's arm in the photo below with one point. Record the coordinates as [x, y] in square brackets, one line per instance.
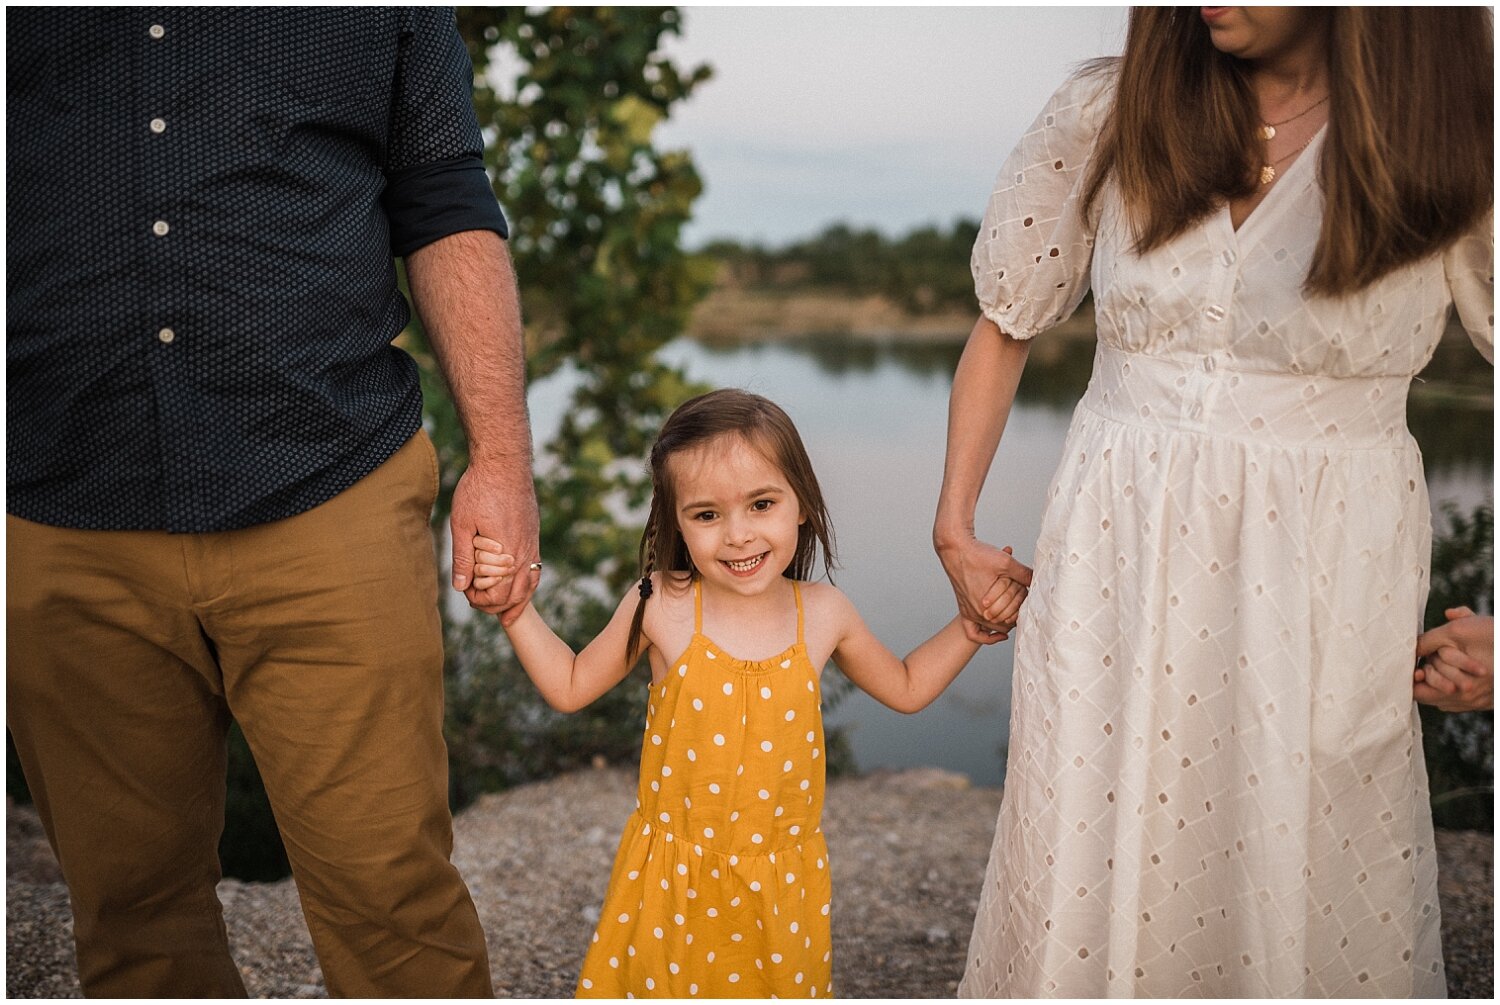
[984, 388]
[567, 682]
[908, 685]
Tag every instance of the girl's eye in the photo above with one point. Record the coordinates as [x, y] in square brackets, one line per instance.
[703, 516]
[761, 505]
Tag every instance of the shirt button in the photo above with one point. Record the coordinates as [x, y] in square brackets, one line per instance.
[1214, 313]
[1227, 257]
[166, 335]
[160, 228]
[1196, 411]
[156, 31]
[158, 125]
[1208, 364]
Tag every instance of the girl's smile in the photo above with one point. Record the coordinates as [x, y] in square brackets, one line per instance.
[737, 514]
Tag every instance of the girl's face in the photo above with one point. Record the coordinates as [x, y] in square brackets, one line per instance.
[737, 514]
[1257, 32]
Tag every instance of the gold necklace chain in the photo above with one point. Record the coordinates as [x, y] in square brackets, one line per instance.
[1268, 129]
[1268, 171]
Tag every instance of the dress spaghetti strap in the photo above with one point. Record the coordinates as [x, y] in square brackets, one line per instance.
[698, 606]
[797, 592]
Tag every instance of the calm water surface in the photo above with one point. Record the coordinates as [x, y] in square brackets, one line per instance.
[873, 416]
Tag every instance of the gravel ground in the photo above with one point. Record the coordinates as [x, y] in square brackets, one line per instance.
[908, 854]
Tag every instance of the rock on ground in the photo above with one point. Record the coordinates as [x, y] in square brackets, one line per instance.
[908, 853]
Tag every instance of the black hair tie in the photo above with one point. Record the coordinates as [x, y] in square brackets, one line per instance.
[645, 587]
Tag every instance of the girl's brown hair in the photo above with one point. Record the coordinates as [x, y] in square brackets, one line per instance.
[766, 428]
[1407, 164]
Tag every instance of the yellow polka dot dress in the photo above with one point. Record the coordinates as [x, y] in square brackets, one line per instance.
[721, 884]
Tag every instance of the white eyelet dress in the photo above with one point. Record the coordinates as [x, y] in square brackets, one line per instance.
[1215, 782]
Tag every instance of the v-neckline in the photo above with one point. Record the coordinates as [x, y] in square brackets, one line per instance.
[1295, 168]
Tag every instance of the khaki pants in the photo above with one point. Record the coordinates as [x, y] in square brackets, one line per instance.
[128, 651]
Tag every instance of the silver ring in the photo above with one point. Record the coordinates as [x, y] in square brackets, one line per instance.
[535, 567]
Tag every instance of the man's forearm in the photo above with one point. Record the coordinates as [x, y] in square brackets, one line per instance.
[464, 290]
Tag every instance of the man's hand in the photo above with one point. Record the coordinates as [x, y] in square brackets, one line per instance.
[502, 508]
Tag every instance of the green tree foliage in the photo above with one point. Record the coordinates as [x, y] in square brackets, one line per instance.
[926, 270]
[1460, 746]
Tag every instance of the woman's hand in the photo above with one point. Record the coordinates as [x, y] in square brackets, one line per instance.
[988, 607]
[1456, 672]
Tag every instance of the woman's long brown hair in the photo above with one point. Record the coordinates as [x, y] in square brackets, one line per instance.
[1408, 160]
[697, 423]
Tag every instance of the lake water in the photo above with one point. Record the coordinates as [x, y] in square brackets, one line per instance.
[873, 416]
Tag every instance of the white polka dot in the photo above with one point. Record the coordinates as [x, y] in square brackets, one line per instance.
[794, 928]
[764, 794]
[797, 979]
[795, 830]
[825, 910]
[765, 692]
[673, 967]
[681, 671]
[804, 785]
[734, 816]
[681, 869]
[708, 832]
[780, 811]
[734, 978]
[713, 912]
[791, 878]
[765, 745]
[655, 785]
[810, 736]
[815, 753]
[665, 885]
[718, 739]
[634, 873]
[665, 818]
[710, 952]
[735, 902]
[756, 839]
[657, 932]
[655, 740]
[692, 755]
[755, 886]
[790, 715]
[680, 920]
[629, 950]
[728, 688]
[692, 989]
[666, 769]
[587, 983]
[809, 685]
[624, 918]
[736, 937]
[775, 957]
[650, 984]
[697, 704]
[614, 961]
[820, 863]
[786, 766]
[739, 771]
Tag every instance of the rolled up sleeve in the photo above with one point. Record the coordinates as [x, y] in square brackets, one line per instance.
[436, 184]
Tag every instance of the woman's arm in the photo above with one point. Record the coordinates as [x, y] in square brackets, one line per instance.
[908, 685]
[984, 388]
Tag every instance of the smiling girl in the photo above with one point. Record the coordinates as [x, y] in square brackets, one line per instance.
[721, 883]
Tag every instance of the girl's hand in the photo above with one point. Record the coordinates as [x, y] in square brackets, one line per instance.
[1002, 604]
[973, 568]
[492, 565]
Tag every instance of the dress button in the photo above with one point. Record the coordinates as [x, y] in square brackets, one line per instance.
[1209, 364]
[156, 31]
[160, 228]
[158, 125]
[1214, 312]
[166, 335]
[1196, 411]
[1227, 257]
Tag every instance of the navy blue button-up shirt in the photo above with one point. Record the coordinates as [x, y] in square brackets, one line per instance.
[203, 206]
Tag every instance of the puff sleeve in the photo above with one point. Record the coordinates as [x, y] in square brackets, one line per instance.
[1469, 267]
[1032, 256]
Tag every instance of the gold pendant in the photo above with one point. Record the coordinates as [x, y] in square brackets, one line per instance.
[1267, 174]
[1267, 131]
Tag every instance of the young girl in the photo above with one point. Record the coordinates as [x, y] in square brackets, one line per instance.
[721, 883]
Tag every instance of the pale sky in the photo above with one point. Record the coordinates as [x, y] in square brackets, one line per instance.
[888, 117]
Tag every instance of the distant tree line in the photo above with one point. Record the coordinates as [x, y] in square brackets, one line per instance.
[926, 270]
